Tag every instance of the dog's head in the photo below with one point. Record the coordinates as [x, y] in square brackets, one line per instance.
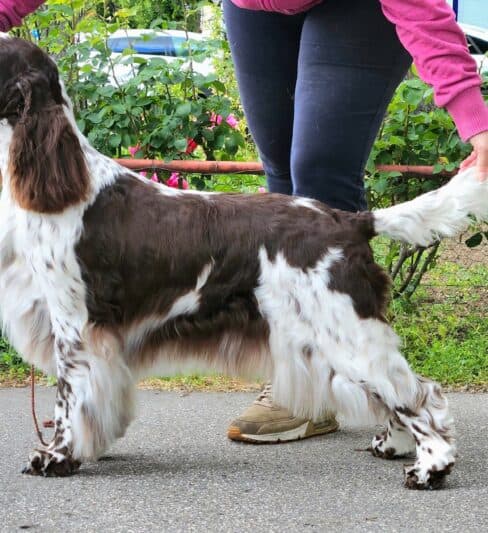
[45, 163]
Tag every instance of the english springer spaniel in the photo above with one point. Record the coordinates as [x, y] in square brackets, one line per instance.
[106, 277]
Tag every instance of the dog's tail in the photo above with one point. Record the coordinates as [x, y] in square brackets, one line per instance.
[444, 212]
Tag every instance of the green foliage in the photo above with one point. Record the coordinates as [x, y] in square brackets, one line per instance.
[161, 107]
[11, 365]
[164, 13]
[447, 341]
[414, 132]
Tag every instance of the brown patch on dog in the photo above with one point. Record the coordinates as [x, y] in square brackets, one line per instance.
[141, 250]
[151, 251]
[307, 352]
[416, 428]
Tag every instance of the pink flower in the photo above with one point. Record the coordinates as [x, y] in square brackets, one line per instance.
[143, 173]
[232, 121]
[134, 149]
[177, 182]
[191, 146]
[173, 180]
[262, 189]
[215, 119]
[154, 177]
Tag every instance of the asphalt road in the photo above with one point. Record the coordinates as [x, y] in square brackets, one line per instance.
[176, 471]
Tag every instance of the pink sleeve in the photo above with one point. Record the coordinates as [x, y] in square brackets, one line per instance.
[286, 7]
[428, 30]
[13, 11]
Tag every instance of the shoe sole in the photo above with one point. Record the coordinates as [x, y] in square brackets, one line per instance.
[305, 431]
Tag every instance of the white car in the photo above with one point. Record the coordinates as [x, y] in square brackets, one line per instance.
[478, 40]
[169, 45]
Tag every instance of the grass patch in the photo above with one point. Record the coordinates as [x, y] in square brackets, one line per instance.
[444, 327]
[441, 344]
[192, 383]
[13, 371]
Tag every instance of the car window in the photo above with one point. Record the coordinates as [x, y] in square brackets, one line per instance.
[160, 46]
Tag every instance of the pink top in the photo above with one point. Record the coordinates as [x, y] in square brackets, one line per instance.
[13, 11]
[426, 28]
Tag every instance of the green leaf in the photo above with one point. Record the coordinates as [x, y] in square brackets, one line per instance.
[208, 134]
[218, 85]
[81, 124]
[95, 118]
[119, 109]
[438, 168]
[115, 140]
[180, 144]
[183, 110]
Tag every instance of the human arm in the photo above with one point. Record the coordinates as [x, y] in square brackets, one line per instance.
[13, 11]
[428, 30]
[479, 155]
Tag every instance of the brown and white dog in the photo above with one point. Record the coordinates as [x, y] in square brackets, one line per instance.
[105, 277]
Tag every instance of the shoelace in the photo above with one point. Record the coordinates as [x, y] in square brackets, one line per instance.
[266, 396]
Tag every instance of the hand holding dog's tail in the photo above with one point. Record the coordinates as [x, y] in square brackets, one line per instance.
[444, 212]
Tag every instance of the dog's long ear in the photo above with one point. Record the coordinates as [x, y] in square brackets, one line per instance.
[48, 171]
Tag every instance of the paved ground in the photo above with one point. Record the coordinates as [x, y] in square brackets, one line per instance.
[175, 471]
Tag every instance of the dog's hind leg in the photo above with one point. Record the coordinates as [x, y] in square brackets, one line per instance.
[421, 424]
[417, 410]
[432, 428]
[395, 441]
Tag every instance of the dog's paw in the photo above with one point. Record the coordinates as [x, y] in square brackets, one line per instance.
[45, 463]
[420, 478]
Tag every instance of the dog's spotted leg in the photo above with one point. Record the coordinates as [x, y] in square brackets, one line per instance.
[54, 266]
[396, 441]
[94, 405]
[57, 458]
[94, 402]
[432, 429]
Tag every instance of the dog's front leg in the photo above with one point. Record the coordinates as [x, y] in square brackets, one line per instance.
[57, 458]
[94, 403]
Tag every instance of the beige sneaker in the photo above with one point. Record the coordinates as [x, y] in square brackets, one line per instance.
[264, 422]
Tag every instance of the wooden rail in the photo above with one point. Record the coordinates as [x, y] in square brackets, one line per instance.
[195, 166]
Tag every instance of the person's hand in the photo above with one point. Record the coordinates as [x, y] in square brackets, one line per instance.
[479, 156]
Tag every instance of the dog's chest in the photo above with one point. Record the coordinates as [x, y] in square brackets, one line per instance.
[23, 308]
[39, 274]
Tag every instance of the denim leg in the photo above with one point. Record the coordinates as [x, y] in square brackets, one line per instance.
[264, 49]
[349, 65]
[315, 88]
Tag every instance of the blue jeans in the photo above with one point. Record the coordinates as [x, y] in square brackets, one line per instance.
[315, 88]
